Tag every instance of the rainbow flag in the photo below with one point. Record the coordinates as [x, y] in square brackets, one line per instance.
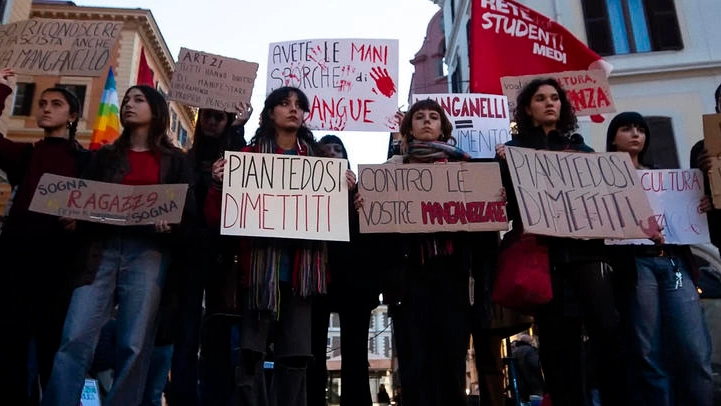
[107, 123]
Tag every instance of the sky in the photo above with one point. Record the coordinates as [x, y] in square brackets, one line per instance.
[243, 29]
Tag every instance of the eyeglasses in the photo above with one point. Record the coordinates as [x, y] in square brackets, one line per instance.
[217, 115]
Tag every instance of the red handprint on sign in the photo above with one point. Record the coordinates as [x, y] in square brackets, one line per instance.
[336, 123]
[316, 55]
[346, 78]
[384, 82]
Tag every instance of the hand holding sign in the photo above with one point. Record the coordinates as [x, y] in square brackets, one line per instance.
[5, 74]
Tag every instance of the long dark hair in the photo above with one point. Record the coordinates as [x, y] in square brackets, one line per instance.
[567, 122]
[265, 134]
[159, 123]
[74, 108]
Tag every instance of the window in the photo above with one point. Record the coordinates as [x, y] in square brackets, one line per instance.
[334, 320]
[173, 120]
[77, 90]
[630, 26]
[3, 11]
[182, 135]
[662, 149]
[336, 346]
[387, 347]
[457, 81]
[23, 101]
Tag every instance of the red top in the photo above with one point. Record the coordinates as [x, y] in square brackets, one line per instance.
[144, 168]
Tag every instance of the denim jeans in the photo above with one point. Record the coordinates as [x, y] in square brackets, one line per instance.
[669, 334]
[132, 271]
[157, 375]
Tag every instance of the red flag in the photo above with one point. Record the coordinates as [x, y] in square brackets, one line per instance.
[145, 74]
[510, 39]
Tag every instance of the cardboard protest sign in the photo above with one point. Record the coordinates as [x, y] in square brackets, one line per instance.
[212, 81]
[111, 203]
[427, 198]
[580, 195]
[351, 83]
[587, 90]
[712, 143]
[42, 46]
[480, 121]
[675, 195]
[290, 196]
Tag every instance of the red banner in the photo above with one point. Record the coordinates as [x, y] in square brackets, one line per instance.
[510, 39]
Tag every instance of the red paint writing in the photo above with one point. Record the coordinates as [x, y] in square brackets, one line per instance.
[369, 53]
[110, 203]
[324, 110]
[588, 98]
[463, 212]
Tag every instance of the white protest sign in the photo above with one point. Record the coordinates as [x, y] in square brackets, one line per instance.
[480, 121]
[91, 393]
[290, 196]
[351, 84]
[675, 195]
[427, 198]
[581, 195]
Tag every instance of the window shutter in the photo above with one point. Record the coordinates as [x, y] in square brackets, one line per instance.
[663, 25]
[598, 29]
[661, 151]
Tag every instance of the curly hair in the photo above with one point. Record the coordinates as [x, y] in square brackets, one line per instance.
[567, 122]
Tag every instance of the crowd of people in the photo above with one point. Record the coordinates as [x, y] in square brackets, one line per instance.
[180, 311]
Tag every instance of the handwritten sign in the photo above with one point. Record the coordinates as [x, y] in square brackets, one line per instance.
[587, 90]
[91, 393]
[291, 196]
[426, 198]
[42, 46]
[582, 195]
[480, 121]
[110, 203]
[352, 84]
[675, 195]
[712, 143]
[212, 81]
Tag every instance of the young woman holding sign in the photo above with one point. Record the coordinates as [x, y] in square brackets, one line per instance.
[124, 265]
[281, 274]
[580, 277]
[670, 345]
[428, 278]
[35, 296]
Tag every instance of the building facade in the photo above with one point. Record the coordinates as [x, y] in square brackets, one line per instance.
[140, 35]
[666, 60]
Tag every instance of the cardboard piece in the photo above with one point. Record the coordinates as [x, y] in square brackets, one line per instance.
[110, 203]
[42, 46]
[588, 90]
[351, 84]
[212, 81]
[480, 121]
[288, 196]
[427, 198]
[579, 195]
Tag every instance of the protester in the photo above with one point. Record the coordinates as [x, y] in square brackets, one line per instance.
[701, 159]
[282, 274]
[670, 342]
[123, 264]
[427, 277]
[353, 291]
[37, 249]
[382, 397]
[582, 292]
[208, 269]
[528, 368]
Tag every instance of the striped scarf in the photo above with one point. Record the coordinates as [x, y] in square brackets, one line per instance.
[308, 259]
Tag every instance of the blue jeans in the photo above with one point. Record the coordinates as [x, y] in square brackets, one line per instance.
[132, 271]
[157, 375]
[669, 335]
